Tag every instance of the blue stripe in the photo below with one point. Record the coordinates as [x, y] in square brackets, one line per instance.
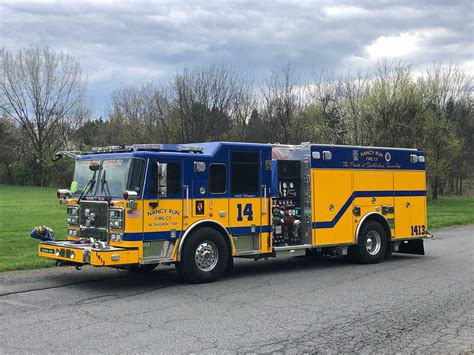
[166, 235]
[355, 194]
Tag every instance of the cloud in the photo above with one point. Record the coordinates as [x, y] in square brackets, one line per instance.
[122, 43]
[400, 46]
[344, 11]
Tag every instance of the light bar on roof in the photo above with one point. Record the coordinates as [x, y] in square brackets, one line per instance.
[147, 146]
[111, 148]
[190, 148]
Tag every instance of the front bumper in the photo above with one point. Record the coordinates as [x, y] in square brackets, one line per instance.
[74, 253]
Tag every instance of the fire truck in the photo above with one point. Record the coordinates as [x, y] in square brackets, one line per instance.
[199, 206]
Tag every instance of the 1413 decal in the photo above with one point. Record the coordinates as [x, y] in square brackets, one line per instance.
[418, 230]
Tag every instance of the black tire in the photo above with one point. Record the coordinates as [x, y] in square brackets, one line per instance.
[142, 268]
[195, 266]
[180, 269]
[372, 244]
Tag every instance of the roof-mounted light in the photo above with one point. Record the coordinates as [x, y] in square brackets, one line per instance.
[147, 146]
[112, 148]
[190, 148]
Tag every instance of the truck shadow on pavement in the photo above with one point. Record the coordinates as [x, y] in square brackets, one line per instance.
[163, 277]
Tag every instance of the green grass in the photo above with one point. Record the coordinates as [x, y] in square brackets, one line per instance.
[21, 209]
[24, 207]
[450, 211]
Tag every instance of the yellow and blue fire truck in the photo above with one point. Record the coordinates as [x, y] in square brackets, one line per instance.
[199, 206]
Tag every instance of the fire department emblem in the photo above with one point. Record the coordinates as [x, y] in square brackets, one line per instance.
[388, 157]
[355, 155]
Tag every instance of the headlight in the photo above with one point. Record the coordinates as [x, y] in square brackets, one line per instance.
[115, 224]
[116, 218]
[72, 215]
[72, 232]
[115, 213]
[72, 221]
[116, 237]
[73, 211]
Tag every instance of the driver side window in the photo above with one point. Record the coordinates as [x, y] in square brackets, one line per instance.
[173, 178]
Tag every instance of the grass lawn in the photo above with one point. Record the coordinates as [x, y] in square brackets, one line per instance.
[450, 211]
[21, 209]
[24, 207]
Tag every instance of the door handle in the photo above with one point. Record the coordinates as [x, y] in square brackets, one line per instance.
[186, 211]
[264, 210]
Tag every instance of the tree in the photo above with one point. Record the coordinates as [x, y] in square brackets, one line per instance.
[9, 146]
[254, 131]
[141, 115]
[281, 99]
[450, 90]
[209, 102]
[327, 92]
[43, 92]
[442, 146]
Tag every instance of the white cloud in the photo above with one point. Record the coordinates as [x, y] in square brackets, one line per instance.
[344, 11]
[399, 46]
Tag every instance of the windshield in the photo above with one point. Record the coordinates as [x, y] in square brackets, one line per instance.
[114, 177]
[84, 176]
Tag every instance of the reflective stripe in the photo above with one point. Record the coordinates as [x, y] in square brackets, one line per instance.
[355, 194]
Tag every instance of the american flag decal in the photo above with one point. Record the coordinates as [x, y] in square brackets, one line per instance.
[133, 213]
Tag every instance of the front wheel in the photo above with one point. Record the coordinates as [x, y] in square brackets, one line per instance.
[204, 257]
[372, 243]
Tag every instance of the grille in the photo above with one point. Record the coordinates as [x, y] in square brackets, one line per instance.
[93, 219]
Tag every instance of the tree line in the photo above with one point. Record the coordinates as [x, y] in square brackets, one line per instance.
[44, 109]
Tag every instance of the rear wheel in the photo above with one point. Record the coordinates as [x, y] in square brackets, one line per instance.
[204, 257]
[372, 243]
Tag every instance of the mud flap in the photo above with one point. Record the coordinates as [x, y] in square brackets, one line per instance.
[412, 247]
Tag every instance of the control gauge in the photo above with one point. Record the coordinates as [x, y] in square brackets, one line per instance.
[292, 185]
[285, 185]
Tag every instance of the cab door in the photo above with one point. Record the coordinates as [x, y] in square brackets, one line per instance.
[248, 207]
[163, 210]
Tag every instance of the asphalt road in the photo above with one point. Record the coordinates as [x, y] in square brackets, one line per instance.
[406, 304]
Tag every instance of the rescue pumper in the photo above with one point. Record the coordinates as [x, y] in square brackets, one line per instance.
[198, 206]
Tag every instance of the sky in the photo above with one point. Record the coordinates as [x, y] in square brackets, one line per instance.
[129, 43]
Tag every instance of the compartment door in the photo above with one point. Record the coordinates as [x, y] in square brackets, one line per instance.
[402, 204]
[324, 210]
[418, 204]
[245, 205]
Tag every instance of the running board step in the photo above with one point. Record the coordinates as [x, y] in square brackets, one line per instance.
[291, 250]
[293, 247]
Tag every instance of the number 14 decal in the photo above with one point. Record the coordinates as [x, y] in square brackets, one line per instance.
[247, 212]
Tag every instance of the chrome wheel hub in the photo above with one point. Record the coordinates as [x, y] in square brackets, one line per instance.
[373, 243]
[206, 256]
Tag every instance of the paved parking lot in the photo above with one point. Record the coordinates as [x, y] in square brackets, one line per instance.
[406, 304]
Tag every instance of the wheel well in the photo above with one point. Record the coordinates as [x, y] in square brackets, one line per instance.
[209, 224]
[377, 217]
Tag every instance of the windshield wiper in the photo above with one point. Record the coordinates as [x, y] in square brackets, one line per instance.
[105, 185]
[89, 186]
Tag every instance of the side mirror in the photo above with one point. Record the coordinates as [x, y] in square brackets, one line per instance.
[57, 156]
[63, 194]
[162, 172]
[94, 166]
[131, 198]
